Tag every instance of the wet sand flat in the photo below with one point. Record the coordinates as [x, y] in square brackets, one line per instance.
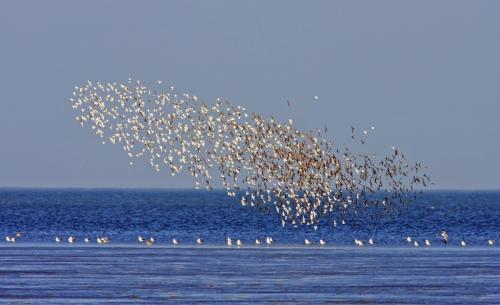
[126, 274]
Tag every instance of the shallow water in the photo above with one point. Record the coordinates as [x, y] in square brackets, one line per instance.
[123, 274]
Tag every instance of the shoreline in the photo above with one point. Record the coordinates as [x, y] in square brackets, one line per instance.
[252, 246]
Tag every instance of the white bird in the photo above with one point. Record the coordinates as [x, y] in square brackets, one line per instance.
[140, 239]
[491, 242]
[322, 242]
[58, 240]
[415, 243]
[87, 240]
[462, 243]
[307, 241]
[239, 243]
[175, 241]
[199, 241]
[7, 239]
[71, 239]
[229, 241]
[257, 242]
[269, 240]
[99, 240]
[371, 242]
[408, 239]
[427, 243]
[359, 242]
[316, 97]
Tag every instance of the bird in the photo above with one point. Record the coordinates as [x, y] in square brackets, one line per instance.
[444, 236]
[415, 243]
[307, 241]
[87, 240]
[491, 242]
[140, 239]
[427, 243]
[463, 243]
[302, 173]
[102, 240]
[57, 239]
[322, 242]
[150, 241]
[358, 242]
[199, 241]
[269, 240]
[175, 241]
[371, 242]
[257, 242]
[408, 239]
[18, 234]
[239, 243]
[71, 239]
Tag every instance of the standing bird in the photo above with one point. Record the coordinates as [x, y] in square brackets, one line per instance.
[427, 243]
[463, 243]
[58, 240]
[199, 241]
[444, 236]
[140, 239]
[229, 241]
[239, 243]
[71, 239]
[175, 241]
[415, 243]
[322, 242]
[371, 242]
[257, 242]
[307, 242]
[269, 240]
[491, 242]
[87, 240]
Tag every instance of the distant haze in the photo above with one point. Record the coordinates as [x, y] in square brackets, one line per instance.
[426, 74]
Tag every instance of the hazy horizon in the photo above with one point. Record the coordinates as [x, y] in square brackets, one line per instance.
[425, 74]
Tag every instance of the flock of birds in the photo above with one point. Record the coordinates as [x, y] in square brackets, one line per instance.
[239, 242]
[266, 163]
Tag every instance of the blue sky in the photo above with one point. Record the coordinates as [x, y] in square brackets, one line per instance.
[425, 73]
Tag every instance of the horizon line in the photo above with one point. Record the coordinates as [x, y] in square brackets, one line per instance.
[204, 190]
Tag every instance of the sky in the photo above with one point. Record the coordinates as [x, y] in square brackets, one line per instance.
[426, 74]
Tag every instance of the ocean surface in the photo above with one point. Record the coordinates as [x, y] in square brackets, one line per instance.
[36, 270]
[122, 215]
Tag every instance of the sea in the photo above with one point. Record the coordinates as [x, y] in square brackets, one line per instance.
[37, 270]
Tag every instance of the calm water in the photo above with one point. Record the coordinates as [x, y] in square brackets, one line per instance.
[35, 270]
[123, 215]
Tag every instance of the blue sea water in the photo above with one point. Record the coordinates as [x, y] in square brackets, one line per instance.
[35, 270]
[122, 215]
